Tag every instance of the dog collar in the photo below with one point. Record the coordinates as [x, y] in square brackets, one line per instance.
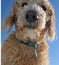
[31, 44]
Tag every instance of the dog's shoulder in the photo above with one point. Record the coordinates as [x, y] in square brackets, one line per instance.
[9, 49]
[10, 43]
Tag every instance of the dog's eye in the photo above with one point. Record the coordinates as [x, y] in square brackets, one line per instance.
[44, 8]
[24, 4]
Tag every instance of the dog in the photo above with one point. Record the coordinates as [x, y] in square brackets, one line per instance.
[34, 21]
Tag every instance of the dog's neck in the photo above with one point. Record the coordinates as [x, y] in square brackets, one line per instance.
[30, 35]
[31, 38]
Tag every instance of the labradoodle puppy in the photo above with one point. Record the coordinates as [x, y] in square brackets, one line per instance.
[34, 21]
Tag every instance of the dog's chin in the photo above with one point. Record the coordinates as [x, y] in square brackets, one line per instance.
[30, 27]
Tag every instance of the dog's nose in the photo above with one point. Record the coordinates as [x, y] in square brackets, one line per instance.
[31, 16]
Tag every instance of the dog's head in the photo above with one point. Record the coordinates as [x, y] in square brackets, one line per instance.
[32, 14]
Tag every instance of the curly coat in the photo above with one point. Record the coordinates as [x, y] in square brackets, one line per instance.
[14, 53]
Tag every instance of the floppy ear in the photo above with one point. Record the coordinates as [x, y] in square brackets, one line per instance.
[50, 25]
[10, 20]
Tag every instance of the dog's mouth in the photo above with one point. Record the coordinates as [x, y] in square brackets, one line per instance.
[31, 26]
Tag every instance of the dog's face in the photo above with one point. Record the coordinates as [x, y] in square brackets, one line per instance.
[32, 15]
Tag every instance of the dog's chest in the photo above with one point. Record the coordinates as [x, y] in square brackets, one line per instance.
[26, 56]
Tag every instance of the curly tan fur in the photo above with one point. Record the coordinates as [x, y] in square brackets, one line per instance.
[14, 53]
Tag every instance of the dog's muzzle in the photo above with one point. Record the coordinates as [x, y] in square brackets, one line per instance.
[31, 16]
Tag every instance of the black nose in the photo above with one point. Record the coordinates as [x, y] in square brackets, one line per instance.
[31, 16]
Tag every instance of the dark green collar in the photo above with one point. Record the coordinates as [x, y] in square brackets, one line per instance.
[31, 44]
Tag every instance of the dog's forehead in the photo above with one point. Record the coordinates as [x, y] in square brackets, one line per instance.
[19, 1]
[27, 1]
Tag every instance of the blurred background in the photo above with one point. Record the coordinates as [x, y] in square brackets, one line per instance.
[6, 6]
